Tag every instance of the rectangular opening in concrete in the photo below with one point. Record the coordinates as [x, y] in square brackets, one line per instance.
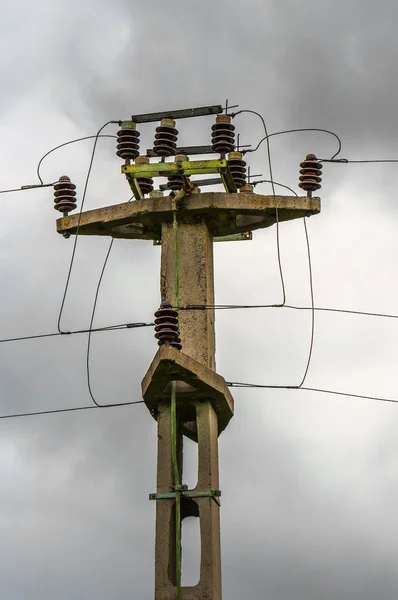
[190, 463]
[190, 544]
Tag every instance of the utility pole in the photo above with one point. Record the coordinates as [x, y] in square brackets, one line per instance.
[181, 387]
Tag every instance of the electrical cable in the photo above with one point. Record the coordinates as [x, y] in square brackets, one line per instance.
[237, 384]
[347, 161]
[290, 306]
[65, 410]
[67, 333]
[78, 223]
[297, 131]
[24, 188]
[91, 324]
[274, 194]
[87, 137]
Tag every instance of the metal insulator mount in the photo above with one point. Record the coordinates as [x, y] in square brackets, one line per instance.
[166, 326]
[310, 172]
[237, 166]
[145, 183]
[223, 135]
[165, 138]
[128, 141]
[176, 182]
[64, 195]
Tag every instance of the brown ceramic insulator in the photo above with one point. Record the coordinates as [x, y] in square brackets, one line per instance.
[165, 138]
[64, 195]
[310, 172]
[128, 142]
[237, 166]
[166, 326]
[175, 183]
[222, 135]
[146, 184]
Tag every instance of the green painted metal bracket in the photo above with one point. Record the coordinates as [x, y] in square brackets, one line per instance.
[187, 494]
[196, 167]
[234, 237]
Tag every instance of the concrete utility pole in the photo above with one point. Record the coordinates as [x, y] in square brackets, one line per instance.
[181, 388]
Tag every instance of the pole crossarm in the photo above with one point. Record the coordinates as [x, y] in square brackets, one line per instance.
[225, 214]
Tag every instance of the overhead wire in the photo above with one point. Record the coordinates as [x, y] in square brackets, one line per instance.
[274, 194]
[77, 331]
[266, 138]
[87, 137]
[78, 222]
[66, 410]
[237, 384]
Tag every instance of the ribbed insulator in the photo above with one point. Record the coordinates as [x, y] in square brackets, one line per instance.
[222, 135]
[310, 171]
[64, 195]
[165, 138]
[146, 184]
[166, 326]
[128, 141]
[237, 166]
[176, 182]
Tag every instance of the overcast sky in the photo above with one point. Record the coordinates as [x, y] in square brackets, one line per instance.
[309, 481]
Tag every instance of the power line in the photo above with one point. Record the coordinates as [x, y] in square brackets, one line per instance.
[78, 223]
[87, 137]
[237, 384]
[91, 324]
[67, 333]
[266, 138]
[253, 112]
[65, 410]
[346, 161]
[25, 188]
[290, 306]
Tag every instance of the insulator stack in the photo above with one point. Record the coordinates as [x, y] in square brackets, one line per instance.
[165, 138]
[223, 135]
[310, 172]
[64, 195]
[237, 166]
[176, 182]
[128, 141]
[166, 326]
[145, 183]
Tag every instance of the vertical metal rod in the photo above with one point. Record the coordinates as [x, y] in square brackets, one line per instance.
[174, 432]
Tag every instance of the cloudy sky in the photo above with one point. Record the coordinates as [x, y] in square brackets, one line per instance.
[309, 481]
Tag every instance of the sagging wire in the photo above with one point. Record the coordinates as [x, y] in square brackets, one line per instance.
[274, 194]
[298, 131]
[79, 220]
[87, 137]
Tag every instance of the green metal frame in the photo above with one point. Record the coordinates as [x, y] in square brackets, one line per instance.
[187, 168]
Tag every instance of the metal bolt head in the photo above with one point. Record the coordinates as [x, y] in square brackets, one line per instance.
[181, 158]
[223, 119]
[168, 123]
[246, 189]
[141, 160]
[128, 125]
[235, 156]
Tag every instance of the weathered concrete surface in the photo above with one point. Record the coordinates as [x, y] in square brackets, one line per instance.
[225, 214]
[196, 285]
[204, 384]
[207, 509]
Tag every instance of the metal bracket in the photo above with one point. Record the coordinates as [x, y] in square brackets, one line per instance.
[215, 494]
[185, 168]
